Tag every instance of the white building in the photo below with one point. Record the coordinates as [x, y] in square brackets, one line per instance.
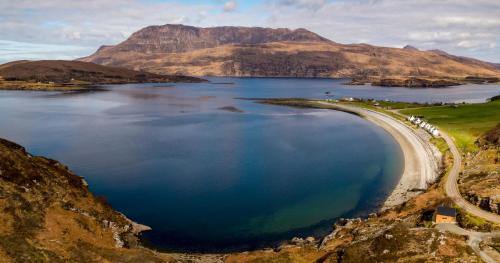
[424, 125]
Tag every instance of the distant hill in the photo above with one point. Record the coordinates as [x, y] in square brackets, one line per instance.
[409, 47]
[60, 71]
[248, 51]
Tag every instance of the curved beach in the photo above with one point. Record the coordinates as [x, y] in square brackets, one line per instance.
[420, 163]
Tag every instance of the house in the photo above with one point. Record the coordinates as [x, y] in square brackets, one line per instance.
[424, 125]
[445, 214]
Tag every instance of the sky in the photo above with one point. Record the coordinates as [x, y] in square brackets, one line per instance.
[68, 29]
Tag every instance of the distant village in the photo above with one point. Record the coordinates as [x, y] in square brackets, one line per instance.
[419, 122]
[424, 125]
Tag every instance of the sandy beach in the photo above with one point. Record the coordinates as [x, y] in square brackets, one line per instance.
[420, 159]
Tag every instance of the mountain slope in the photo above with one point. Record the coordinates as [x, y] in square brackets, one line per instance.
[241, 51]
[60, 71]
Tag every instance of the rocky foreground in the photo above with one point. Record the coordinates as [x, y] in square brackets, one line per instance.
[47, 214]
[266, 52]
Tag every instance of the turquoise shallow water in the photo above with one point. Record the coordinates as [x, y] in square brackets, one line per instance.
[209, 179]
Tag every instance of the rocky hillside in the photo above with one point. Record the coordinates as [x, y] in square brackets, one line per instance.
[47, 214]
[479, 180]
[241, 51]
[60, 71]
[180, 38]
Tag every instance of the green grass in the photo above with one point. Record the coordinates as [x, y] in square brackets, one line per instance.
[440, 143]
[465, 122]
[388, 105]
[469, 221]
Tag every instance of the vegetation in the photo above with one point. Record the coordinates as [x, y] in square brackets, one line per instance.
[302, 103]
[440, 143]
[469, 221]
[465, 122]
[41, 86]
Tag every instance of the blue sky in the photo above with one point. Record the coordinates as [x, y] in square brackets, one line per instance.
[62, 29]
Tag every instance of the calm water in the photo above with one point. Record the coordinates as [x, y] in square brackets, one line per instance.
[206, 178]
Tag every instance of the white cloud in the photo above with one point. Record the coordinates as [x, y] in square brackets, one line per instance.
[230, 6]
[307, 4]
[13, 50]
[462, 27]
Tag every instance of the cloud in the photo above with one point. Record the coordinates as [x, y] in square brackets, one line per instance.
[307, 4]
[462, 27]
[469, 28]
[13, 50]
[230, 6]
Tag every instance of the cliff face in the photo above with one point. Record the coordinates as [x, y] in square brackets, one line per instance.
[242, 51]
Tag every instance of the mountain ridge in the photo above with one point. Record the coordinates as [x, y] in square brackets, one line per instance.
[171, 38]
[266, 52]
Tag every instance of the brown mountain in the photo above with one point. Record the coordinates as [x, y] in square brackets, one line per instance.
[243, 51]
[60, 71]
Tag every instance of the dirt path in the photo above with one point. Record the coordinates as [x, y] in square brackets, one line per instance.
[420, 165]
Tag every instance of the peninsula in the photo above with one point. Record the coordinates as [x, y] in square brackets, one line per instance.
[61, 75]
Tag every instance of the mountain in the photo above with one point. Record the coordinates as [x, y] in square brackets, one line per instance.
[60, 71]
[410, 47]
[248, 51]
[180, 38]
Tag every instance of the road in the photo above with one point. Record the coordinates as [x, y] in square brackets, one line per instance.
[473, 240]
[451, 186]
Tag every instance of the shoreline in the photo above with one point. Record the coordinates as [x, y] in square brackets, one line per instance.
[420, 161]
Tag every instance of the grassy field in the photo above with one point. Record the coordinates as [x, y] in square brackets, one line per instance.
[387, 105]
[464, 122]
